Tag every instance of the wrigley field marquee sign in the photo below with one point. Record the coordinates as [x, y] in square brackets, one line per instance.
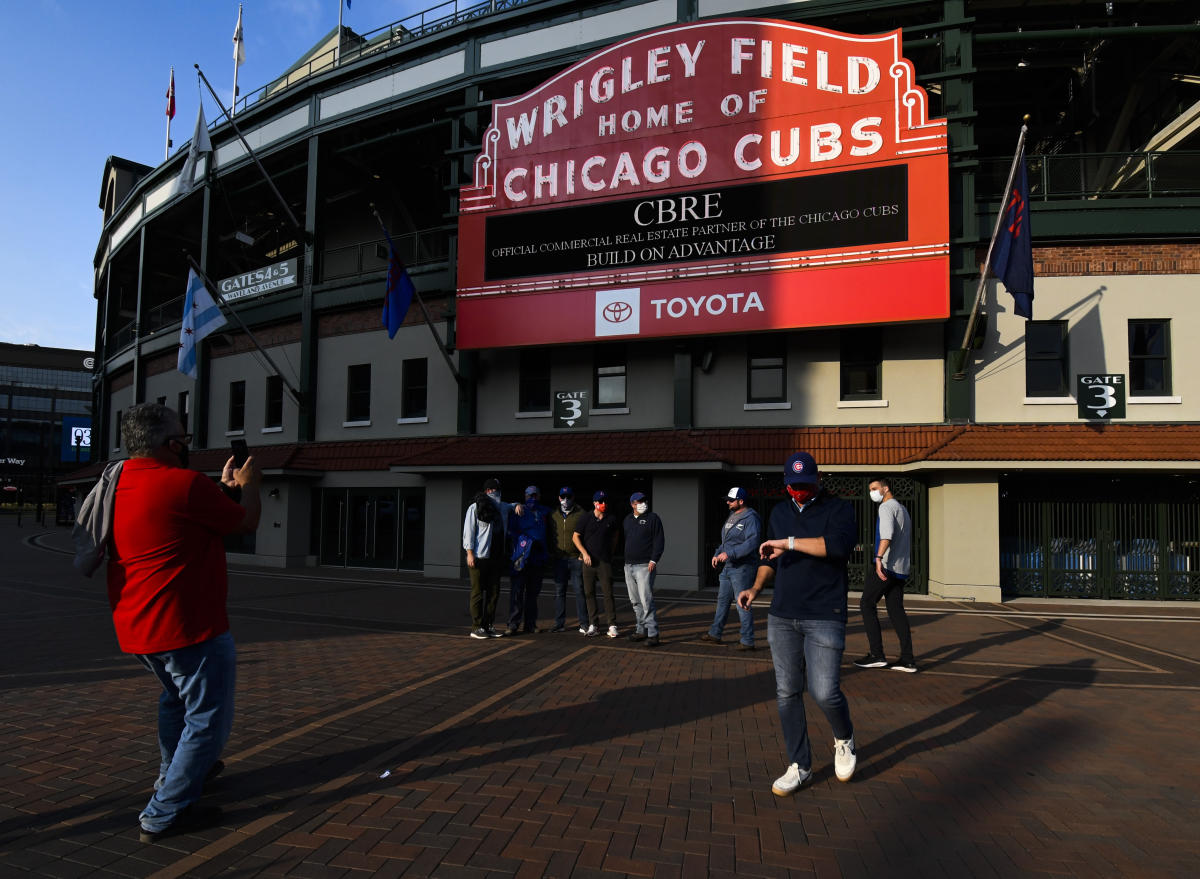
[717, 177]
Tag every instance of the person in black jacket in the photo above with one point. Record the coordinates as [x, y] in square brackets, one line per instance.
[809, 538]
[644, 545]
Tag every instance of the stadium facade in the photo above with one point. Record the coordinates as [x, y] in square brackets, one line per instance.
[663, 244]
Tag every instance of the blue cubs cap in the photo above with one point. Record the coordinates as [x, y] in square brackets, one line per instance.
[532, 491]
[736, 494]
[636, 496]
[565, 491]
[598, 497]
[801, 468]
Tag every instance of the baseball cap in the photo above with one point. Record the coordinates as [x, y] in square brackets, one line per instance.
[565, 491]
[801, 468]
[492, 484]
[532, 491]
[736, 494]
[636, 496]
[598, 497]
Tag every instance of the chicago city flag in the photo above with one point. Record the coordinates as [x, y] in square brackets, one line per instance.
[201, 316]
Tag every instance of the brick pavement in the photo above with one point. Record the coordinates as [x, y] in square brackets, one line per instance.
[1037, 741]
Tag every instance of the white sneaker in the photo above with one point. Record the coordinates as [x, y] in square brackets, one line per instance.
[788, 783]
[591, 631]
[844, 759]
[583, 630]
[612, 631]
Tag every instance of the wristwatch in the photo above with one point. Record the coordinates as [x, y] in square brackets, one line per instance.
[791, 543]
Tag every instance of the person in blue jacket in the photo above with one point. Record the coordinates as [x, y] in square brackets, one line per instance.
[737, 558]
[527, 530]
[809, 540]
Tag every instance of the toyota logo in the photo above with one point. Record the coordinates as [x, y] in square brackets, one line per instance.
[617, 312]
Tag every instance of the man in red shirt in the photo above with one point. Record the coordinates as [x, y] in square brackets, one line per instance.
[167, 586]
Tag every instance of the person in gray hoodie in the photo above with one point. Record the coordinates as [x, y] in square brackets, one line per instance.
[737, 558]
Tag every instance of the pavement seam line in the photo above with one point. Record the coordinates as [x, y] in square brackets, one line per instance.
[235, 837]
[379, 700]
[1085, 647]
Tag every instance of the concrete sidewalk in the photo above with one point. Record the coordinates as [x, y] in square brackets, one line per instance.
[374, 738]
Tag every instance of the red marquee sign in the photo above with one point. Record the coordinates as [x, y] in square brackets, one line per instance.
[717, 177]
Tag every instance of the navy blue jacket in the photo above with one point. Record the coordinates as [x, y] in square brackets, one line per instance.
[807, 587]
[644, 538]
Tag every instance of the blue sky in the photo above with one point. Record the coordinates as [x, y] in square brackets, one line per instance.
[86, 79]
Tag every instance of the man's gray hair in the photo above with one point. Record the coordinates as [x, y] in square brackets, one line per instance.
[145, 427]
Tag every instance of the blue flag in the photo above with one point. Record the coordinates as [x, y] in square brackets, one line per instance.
[1012, 257]
[201, 316]
[399, 293]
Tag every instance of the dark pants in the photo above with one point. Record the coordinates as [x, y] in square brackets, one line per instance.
[526, 585]
[485, 592]
[604, 571]
[891, 589]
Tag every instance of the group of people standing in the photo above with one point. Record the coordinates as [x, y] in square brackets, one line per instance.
[526, 539]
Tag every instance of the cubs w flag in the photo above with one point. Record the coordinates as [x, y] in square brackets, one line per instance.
[399, 294]
[1012, 257]
[201, 316]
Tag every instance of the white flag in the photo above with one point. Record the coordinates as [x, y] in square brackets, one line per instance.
[201, 316]
[200, 144]
[239, 48]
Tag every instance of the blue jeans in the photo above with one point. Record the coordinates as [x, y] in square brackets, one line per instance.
[639, 582]
[195, 716]
[808, 650]
[734, 579]
[569, 571]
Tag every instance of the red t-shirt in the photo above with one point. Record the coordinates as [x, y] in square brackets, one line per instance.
[167, 583]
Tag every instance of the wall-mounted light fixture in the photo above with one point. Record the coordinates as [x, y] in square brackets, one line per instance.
[273, 493]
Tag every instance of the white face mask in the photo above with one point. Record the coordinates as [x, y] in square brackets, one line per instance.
[566, 504]
[639, 508]
[876, 496]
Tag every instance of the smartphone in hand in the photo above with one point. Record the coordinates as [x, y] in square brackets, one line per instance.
[240, 453]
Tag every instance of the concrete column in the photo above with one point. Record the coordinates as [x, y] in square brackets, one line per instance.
[677, 499]
[964, 537]
[444, 511]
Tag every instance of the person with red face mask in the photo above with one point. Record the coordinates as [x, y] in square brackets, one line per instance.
[596, 539]
[809, 539]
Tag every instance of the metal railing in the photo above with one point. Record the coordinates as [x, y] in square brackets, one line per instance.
[369, 257]
[1066, 549]
[1172, 174]
[419, 24]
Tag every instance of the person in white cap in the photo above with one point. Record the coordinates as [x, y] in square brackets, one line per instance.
[737, 559]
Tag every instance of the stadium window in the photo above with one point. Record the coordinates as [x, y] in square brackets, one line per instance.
[182, 410]
[608, 391]
[237, 406]
[862, 364]
[1150, 358]
[1046, 359]
[274, 410]
[533, 381]
[358, 392]
[117, 444]
[414, 388]
[766, 370]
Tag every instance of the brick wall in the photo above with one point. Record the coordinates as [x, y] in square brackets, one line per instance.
[1117, 259]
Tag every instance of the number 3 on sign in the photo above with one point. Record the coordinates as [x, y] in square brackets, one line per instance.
[1101, 396]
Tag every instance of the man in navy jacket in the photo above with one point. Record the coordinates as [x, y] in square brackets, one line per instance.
[809, 539]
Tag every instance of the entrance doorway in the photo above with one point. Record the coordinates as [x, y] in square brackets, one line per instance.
[373, 528]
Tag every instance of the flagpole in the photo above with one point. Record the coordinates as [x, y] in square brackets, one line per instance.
[424, 311]
[225, 309]
[960, 373]
[337, 53]
[237, 61]
[287, 211]
[170, 114]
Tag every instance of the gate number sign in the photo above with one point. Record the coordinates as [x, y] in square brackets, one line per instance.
[571, 409]
[1101, 397]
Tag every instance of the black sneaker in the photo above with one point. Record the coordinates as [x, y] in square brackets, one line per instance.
[480, 633]
[904, 665]
[194, 817]
[637, 636]
[871, 661]
[652, 641]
